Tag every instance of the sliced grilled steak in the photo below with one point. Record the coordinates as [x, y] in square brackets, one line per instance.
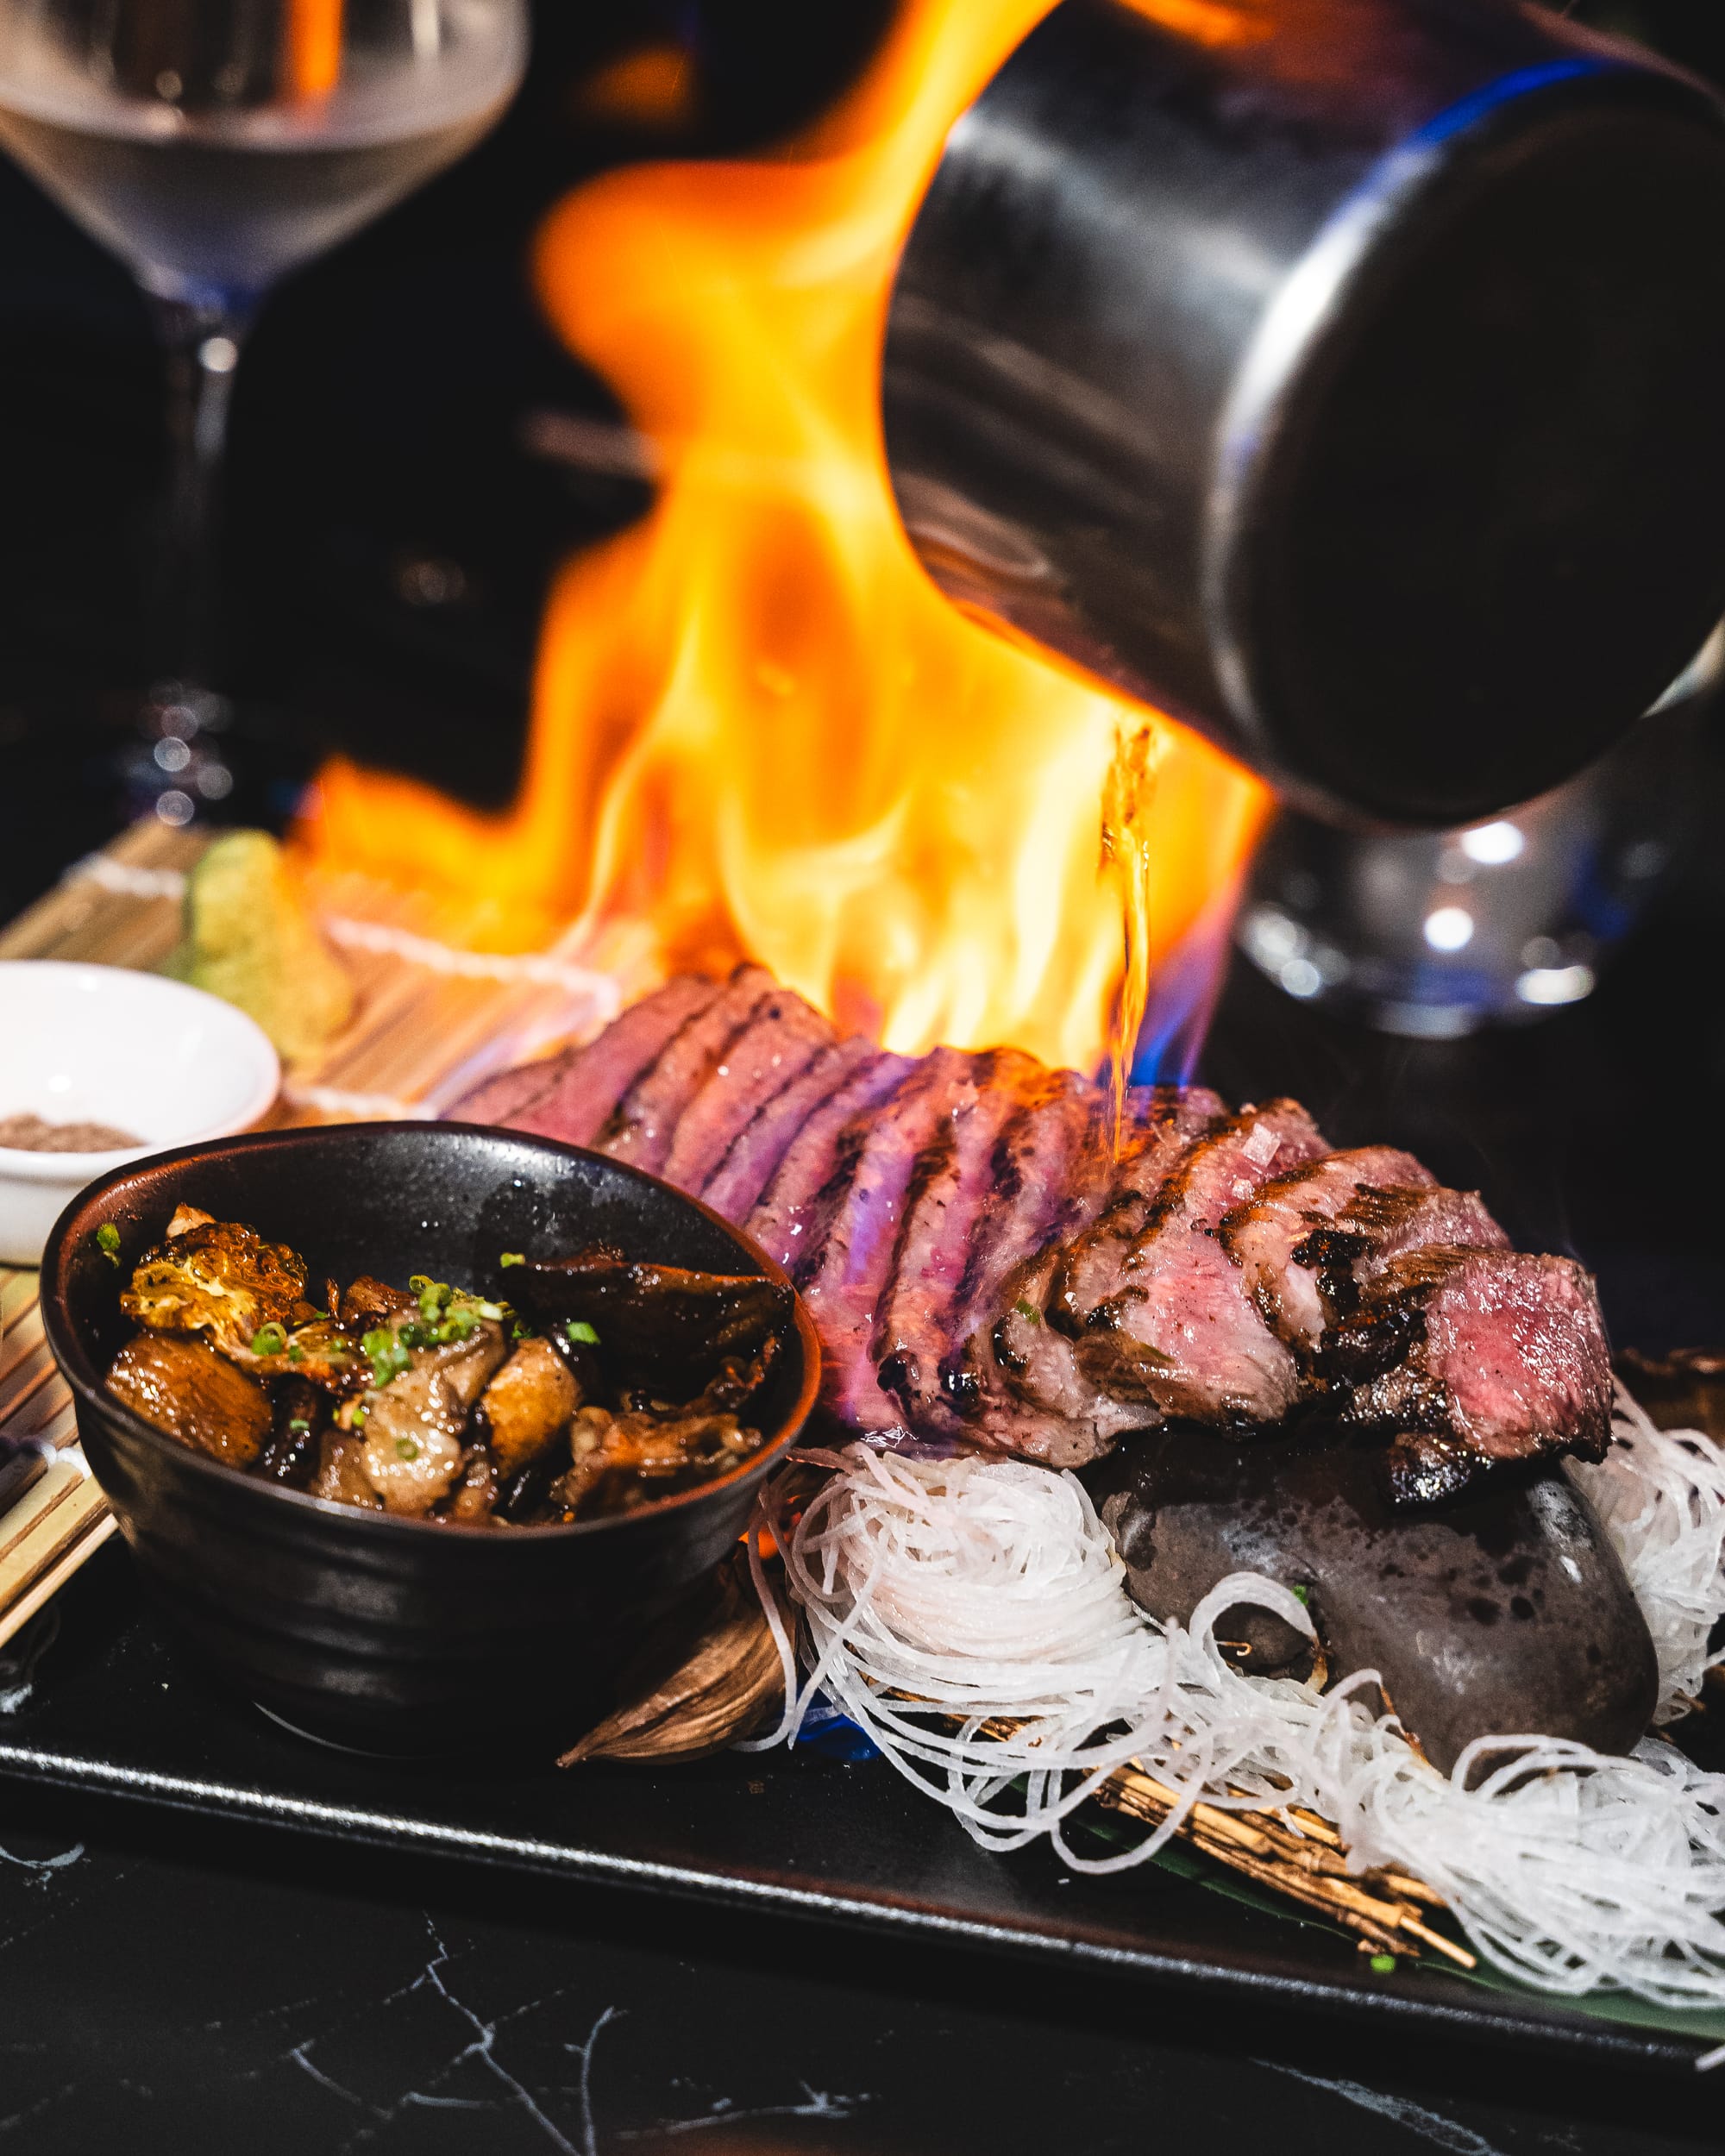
[978, 1263]
[640, 1128]
[1471, 1358]
[1177, 1329]
[950, 1191]
[854, 1254]
[810, 1179]
[509, 1094]
[1391, 1223]
[778, 1040]
[1021, 1389]
[598, 1075]
[1168, 1120]
[1263, 1235]
[737, 1182]
[1018, 1384]
[1051, 1168]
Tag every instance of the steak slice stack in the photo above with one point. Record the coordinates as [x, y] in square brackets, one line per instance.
[1461, 1356]
[983, 1264]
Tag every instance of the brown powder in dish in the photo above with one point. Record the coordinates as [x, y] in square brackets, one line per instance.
[31, 1134]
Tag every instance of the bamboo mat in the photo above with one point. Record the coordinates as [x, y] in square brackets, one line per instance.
[432, 1017]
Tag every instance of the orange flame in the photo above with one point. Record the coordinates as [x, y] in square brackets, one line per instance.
[758, 729]
[314, 46]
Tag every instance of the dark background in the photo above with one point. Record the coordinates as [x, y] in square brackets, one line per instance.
[388, 543]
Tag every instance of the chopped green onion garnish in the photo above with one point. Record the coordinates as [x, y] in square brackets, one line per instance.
[1383, 1964]
[512, 1257]
[299, 1426]
[108, 1242]
[269, 1340]
[1303, 1593]
[420, 1282]
[406, 1448]
[295, 1352]
[491, 1310]
[360, 1414]
[433, 1297]
[1028, 1310]
[579, 1330]
[388, 1354]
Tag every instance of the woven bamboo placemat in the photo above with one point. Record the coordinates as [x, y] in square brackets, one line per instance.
[432, 1016]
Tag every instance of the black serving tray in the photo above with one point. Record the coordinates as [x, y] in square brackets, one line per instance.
[111, 1704]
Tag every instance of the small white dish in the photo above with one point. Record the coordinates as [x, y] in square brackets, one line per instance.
[104, 1044]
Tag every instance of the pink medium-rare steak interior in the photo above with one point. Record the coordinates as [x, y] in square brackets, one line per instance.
[982, 1264]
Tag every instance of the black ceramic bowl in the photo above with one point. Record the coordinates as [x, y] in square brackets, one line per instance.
[387, 1633]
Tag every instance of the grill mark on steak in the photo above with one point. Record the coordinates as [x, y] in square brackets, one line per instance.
[1178, 1328]
[1393, 1223]
[601, 1074]
[950, 1190]
[1169, 1121]
[1024, 1391]
[1019, 1367]
[736, 1184]
[1047, 1175]
[842, 1286]
[640, 1127]
[1471, 1358]
[508, 1093]
[1288, 1268]
[788, 1218]
[778, 1040]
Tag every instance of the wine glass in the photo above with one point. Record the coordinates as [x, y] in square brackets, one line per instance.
[214, 145]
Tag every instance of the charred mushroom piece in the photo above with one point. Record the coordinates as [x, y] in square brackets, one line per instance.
[528, 1405]
[187, 1391]
[369, 1302]
[474, 1498]
[323, 1352]
[416, 1423]
[627, 1460]
[736, 1383]
[1506, 1613]
[655, 1318]
[220, 1278]
[341, 1475]
[301, 1416]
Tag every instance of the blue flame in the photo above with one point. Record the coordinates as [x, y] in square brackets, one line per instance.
[1182, 1000]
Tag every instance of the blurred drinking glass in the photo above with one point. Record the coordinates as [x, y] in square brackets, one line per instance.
[1437, 933]
[214, 145]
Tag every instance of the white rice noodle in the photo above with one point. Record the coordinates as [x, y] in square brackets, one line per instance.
[989, 1590]
[1661, 1495]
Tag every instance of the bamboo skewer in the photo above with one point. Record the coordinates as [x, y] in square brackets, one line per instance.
[1382, 1907]
[1298, 1854]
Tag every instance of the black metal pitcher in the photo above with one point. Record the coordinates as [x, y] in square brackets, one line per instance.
[1345, 377]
